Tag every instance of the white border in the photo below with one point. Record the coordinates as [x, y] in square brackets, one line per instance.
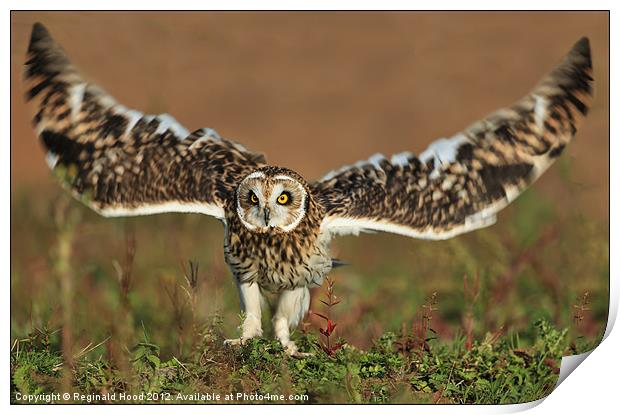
[591, 388]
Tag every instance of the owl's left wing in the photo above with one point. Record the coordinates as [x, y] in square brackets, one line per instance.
[119, 161]
[459, 184]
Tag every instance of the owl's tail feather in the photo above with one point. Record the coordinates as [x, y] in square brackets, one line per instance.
[336, 263]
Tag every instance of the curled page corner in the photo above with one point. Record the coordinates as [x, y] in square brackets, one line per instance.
[520, 407]
[570, 363]
[567, 365]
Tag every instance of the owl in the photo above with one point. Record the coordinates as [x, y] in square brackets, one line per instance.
[277, 225]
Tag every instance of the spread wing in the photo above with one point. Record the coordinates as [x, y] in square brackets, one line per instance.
[119, 161]
[459, 184]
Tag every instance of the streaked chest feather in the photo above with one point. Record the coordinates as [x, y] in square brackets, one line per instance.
[277, 261]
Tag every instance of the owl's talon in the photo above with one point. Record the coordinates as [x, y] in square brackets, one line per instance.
[301, 355]
[235, 342]
[291, 349]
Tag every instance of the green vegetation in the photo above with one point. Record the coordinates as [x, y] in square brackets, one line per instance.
[495, 370]
[110, 307]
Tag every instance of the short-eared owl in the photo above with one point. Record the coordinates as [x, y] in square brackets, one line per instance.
[278, 226]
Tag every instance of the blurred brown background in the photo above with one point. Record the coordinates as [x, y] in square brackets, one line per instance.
[315, 91]
[318, 90]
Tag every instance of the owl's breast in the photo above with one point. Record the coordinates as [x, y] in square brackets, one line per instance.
[276, 261]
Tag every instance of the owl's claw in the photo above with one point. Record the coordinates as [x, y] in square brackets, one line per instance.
[291, 349]
[301, 355]
[235, 342]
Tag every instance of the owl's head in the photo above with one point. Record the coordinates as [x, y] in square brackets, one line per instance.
[272, 199]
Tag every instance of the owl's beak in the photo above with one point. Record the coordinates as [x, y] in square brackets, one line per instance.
[266, 212]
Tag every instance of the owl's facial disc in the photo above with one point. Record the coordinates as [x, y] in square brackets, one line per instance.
[271, 203]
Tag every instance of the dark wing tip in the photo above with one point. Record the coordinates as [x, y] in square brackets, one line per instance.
[574, 72]
[45, 57]
[39, 33]
[582, 46]
[582, 49]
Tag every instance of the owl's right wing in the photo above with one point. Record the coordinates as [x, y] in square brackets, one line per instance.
[119, 161]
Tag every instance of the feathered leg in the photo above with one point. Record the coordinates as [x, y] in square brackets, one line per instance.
[250, 296]
[290, 310]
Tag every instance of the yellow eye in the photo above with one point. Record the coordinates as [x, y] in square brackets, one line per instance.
[253, 199]
[283, 199]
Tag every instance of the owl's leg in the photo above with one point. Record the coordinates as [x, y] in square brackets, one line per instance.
[290, 310]
[250, 296]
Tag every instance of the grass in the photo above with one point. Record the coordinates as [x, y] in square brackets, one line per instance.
[396, 369]
[114, 308]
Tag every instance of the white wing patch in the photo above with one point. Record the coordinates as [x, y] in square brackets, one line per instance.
[212, 133]
[76, 97]
[152, 209]
[51, 159]
[443, 151]
[132, 116]
[402, 159]
[168, 122]
[374, 160]
[540, 111]
[353, 226]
